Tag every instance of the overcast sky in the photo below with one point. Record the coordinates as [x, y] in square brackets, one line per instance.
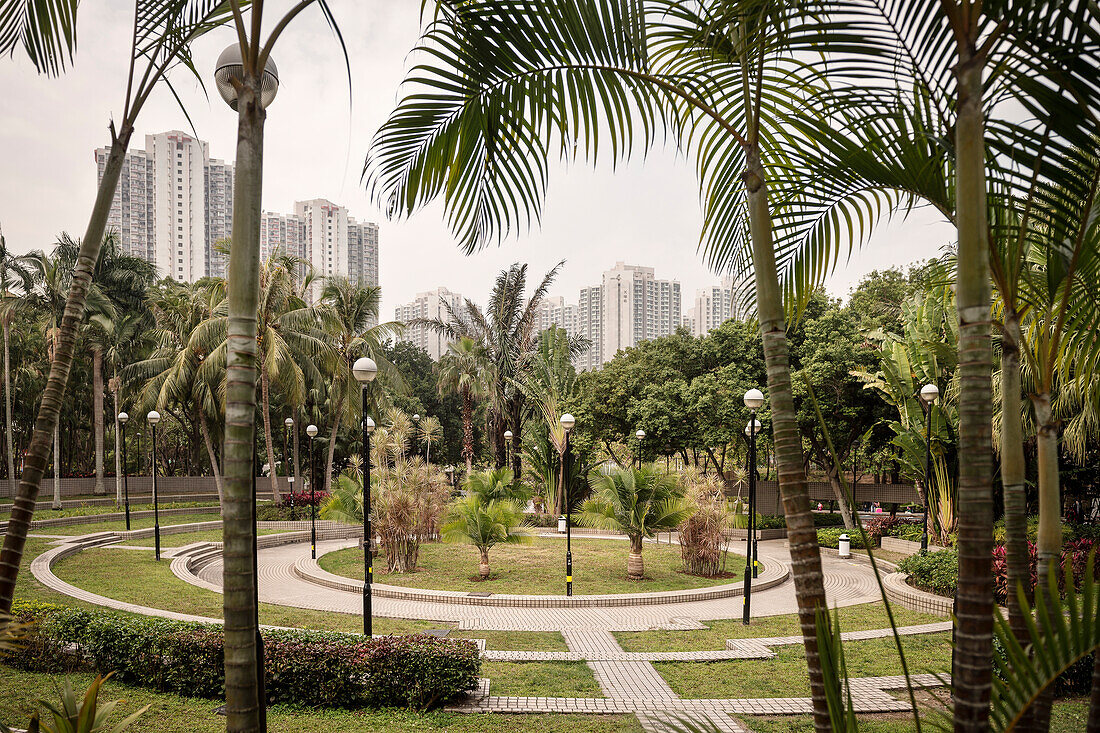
[645, 213]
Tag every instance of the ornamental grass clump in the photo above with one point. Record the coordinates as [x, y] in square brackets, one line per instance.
[705, 534]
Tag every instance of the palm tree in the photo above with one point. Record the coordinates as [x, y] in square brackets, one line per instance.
[639, 502]
[15, 280]
[463, 370]
[350, 313]
[506, 333]
[429, 431]
[497, 485]
[484, 524]
[163, 33]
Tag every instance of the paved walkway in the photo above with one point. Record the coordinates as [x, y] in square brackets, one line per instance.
[847, 583]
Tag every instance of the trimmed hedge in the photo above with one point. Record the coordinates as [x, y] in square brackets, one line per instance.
[830, 537]
[314, 668]
[935, 572]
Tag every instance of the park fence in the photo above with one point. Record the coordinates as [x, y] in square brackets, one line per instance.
[768, 501]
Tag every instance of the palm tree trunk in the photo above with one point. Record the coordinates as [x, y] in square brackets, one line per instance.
[1013, 473]
[1049, 540]
[467, 430]
[483, 568]
[213, 460]
[297, 473]
[118, 449]
[97, 418]
[57, 466]
[974, 602]
[38, 451]
[805, 554]
[7, 402]
[1094, 697]
[332, 445]
[242, 699]
[265, 391]
[635, 566]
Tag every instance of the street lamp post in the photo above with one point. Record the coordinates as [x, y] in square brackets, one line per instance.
[122, 418]
[289, 424]
[416, 439]
[311, 431]
[507, 448]
[640, 435]
[928, 395]
[365, 370]
[567, 423]
[450, 471]
[754, 400]
[154, 417]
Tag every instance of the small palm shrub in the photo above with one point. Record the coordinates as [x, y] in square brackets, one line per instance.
[498, 484]
[80, 715]
[473, 520]
[639, 502]
[705, 534]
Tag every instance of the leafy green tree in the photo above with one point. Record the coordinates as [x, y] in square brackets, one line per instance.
[639, 502]
[464, 370]
[484, 524]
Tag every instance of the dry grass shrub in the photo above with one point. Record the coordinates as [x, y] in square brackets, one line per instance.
[706, 534]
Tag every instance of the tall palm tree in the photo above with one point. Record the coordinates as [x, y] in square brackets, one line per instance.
[15, 281]
[350, 315]
[506, 333]
[162, 37]
[463, 369]
[639, 502]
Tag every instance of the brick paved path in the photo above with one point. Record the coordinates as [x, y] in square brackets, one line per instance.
[847, 583]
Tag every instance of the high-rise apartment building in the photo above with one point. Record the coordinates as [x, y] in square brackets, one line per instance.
[430, 305]
[174, 203]
[554, 311]
[589, 325]
[713, 307]
[636, 307]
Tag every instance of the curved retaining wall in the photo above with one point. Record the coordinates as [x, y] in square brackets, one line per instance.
[899, 591]
[773, 574]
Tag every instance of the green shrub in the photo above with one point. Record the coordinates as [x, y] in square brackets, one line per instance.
[935, 572]
[771, 521]
[1076, 681]
[315, 668]
[830, 537]
[828, 519]
[1069, 532]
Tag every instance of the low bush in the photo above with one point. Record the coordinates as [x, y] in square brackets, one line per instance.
[935, 572]
[771, 521]
[305, 499]
[830, 537]
[827, 519]
[1076, 681]
[314, 668]
[1068, 531]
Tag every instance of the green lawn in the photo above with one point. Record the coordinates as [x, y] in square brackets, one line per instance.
[1067, 716]
[90, 510]
[785, 675]
[187, 538]
[540, 679]
[119, 525]
[852, 618]
[135, 577]
[599, 567]
[526, 641]
[172, 714]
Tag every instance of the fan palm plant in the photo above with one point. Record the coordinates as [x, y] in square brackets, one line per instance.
[497, 485]
[429, 431]
[639, 502]
[484, 523]
[463, 369]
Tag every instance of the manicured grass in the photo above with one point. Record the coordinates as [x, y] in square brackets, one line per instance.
[1067, 716]
[852, 618]
[119, 525]
[526, 641]
[135, 577]
[785, 674]
[599, 567]
[187, 538]
[172, 714]
[540, 679]
[93, 509]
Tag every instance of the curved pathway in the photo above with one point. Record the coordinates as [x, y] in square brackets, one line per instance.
[847, 582]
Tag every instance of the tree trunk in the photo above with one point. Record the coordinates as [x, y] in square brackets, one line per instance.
[38, 452]
[297, 464]
[1013, 473]
[802, 536]
[1094, 697]
[213, 460]
[118, 445]
[57, 466]
[265, 390]
[1049, 540]
[483, 569]
[517, 435]
[12, 483]
[332, 445]
[635, 566]
[974, 601]
[841, 498]
[100, 488]
[239, 578]
[468, 430]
